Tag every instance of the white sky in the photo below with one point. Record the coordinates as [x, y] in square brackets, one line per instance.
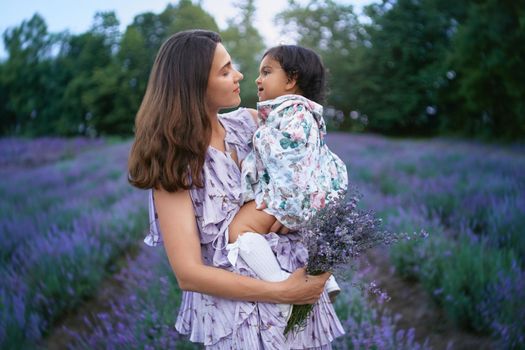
[77, 15]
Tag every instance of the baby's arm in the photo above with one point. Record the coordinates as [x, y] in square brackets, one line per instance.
[249, 219]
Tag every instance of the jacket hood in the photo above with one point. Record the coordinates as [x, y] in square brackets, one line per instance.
[265, 108]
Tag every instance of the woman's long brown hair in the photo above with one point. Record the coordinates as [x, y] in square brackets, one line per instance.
[172, 128]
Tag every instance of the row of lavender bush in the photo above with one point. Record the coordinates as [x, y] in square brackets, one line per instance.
[19, 153]
[142, 316]
[471, 198]
[63, 223]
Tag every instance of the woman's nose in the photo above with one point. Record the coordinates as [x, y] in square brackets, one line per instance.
[240, 76]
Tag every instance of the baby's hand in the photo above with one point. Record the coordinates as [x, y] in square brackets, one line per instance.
[279, 228]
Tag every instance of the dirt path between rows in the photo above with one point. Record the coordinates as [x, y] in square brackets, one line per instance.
[418, 311]
[110, 289]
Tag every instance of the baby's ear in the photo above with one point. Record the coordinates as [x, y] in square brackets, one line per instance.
[291, 83]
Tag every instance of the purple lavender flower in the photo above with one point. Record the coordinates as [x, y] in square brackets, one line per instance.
[334, 237]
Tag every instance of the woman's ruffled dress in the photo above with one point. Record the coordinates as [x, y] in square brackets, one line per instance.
[221, 323]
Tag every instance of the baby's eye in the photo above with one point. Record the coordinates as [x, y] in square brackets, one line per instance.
[265, 72]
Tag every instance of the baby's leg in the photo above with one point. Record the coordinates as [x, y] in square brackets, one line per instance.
[245, 237]
[249, 219]
[256, 252]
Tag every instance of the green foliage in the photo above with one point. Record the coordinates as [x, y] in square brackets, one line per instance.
[25, 78]
[352, 304]
[505, 226]
[245, 45]
[488, 57]
[84, 55]
[186, 15]
[457, 274]
[88, 84]
[333, 31]
[420, 67]
[475, 268]
[402, 67]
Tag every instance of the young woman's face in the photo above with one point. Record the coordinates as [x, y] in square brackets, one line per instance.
[223, 89]
[272, 81]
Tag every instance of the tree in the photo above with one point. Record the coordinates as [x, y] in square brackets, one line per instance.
[7, 115]
[487, 60]
[409, 41]
[245, 45]
[24, 78]
[84, 102]
[186, 15]
[91, 83]
[106, 24]
[138, 48]
[333, 31]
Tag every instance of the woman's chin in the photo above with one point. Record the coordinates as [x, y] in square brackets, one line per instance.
[234, 103]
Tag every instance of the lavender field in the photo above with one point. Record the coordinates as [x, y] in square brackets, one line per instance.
[71, 230]
[66, 215]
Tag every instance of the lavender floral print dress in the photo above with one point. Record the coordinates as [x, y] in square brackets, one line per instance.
[291, 168]
[221, 323]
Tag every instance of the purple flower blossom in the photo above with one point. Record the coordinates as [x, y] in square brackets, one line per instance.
[337, 235]
[69, 213]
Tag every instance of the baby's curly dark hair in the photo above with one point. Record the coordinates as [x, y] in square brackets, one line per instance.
[303, 65]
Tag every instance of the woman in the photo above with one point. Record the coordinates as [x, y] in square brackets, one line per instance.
[188, 156]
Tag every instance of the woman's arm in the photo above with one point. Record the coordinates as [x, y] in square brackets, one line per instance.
[182, 244]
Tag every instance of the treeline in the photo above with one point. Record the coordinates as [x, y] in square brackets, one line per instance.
[403, 67]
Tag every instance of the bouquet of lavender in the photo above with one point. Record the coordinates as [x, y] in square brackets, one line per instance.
[338, 233]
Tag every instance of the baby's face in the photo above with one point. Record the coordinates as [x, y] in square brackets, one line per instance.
[272, 81]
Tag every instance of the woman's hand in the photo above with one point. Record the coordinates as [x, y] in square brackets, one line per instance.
[277, 226]
[301, 288]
